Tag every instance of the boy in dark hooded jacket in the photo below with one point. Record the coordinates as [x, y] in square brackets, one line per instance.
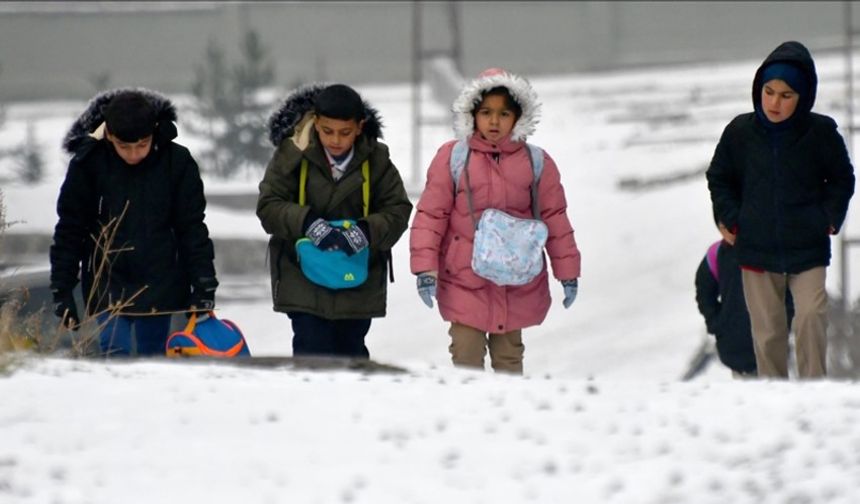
[131, 224]
[780, 182]
[332, 132]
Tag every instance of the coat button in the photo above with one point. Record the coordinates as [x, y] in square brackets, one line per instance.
[447, 271]
[456, 238]
[501, 327]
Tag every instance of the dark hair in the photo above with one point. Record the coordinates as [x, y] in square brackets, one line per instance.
[502, 91]
[130, 116]
[339, 101]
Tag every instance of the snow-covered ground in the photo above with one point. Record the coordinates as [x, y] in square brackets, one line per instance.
[600, 416]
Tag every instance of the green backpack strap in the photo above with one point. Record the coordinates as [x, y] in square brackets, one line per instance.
[303, 182]
[365, 185]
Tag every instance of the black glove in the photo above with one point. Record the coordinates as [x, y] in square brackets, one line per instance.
[203, 294]
[320, 232]
[67, 310]
[356, 238]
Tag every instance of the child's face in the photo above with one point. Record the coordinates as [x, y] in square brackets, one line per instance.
[131, 152]
[493, 119]
[778, 100]
[337, 135]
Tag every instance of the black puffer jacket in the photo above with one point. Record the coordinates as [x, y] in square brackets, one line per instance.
[721, 302]
[781, 191]
[161, 247]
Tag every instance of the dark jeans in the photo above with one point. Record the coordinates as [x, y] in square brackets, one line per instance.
[314, 335]
[150, 333]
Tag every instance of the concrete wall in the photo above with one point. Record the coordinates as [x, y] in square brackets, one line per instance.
[60, 49]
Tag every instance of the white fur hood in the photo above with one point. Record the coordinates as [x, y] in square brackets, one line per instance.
[520, 89]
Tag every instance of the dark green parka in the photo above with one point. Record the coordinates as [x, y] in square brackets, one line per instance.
[292, 132]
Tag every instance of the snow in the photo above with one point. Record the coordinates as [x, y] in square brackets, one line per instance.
[600, 416]
[147, 432]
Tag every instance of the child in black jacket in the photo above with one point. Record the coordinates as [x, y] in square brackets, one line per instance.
[720, 298]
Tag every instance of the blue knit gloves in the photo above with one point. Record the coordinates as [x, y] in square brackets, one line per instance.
[570, 288]
[426, 283]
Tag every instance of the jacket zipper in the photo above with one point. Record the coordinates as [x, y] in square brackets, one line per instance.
[778, 209]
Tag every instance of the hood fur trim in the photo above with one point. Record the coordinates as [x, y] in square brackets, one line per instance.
[92, 118]
[520, 89]
[294, 116]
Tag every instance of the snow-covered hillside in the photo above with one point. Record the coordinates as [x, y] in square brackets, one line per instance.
[599, 417]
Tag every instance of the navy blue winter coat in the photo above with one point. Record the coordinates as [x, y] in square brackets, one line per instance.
[781, 192]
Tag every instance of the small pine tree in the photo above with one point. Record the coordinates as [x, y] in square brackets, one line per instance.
[31, 165]
[228, 102]
[100, 81]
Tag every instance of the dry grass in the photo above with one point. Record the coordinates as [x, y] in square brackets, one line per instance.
[40, 332]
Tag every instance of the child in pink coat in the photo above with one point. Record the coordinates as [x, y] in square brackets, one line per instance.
[494, 114]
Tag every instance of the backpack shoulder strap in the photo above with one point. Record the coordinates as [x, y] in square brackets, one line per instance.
[536, 158]
[303, 182]
[536, 154]
[459, 154]
[712, 259]
[365, 185]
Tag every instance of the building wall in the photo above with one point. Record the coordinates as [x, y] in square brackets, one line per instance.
[65, 49]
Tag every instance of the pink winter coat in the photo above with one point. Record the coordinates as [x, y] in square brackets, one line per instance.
[442, 234]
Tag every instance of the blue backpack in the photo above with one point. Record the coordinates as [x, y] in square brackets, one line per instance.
[209, 337]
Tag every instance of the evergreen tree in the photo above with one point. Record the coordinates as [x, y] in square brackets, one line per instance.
[228, 102]
[31, 165]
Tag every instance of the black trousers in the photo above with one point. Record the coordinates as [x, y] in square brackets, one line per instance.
[314, 335]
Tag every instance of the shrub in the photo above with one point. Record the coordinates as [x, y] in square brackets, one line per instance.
[229, 109]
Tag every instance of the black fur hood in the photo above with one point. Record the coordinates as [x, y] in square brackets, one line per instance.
[298, 108]
[93, 117]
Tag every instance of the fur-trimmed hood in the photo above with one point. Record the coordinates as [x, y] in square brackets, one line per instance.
[89, 123]
[521, 91]
[294, 117]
